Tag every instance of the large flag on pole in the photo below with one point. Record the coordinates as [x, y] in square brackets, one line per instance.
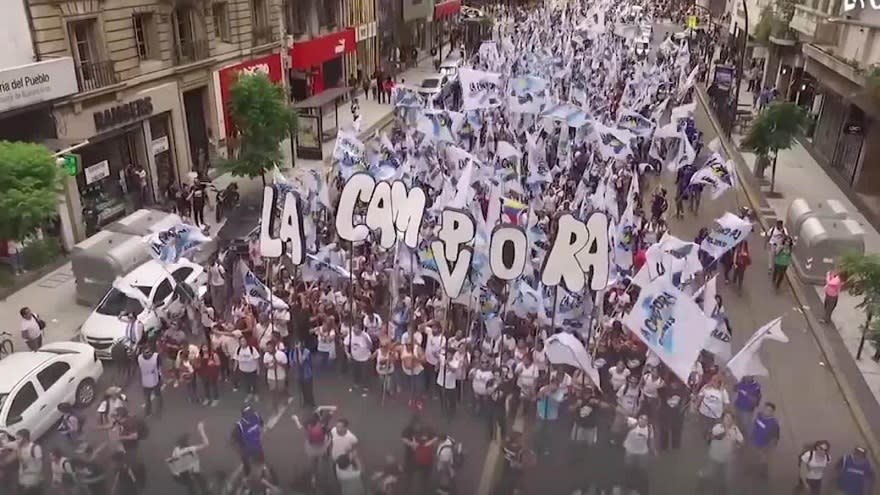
[728, 231]
[479, 89]
[747, 362]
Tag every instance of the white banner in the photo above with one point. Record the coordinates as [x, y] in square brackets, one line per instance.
[670, 324]
[728, 231]
[747, 362]
[527, 94]
[717, 173]
[479, 89]
[564, 348]
[673, 257]
[440, 125]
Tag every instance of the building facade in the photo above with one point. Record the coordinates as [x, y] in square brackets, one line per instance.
[153, 79]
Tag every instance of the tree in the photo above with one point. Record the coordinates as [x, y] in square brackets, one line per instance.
[262, 120]
[774, 129]
[861, 276]
[29, 187]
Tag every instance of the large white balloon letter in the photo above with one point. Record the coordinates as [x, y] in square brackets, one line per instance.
[358, 187]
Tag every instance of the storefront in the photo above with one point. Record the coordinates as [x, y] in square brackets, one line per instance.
[366, 59]
[415, 31]
[388, 13]
[317, 64]
[225, 78]
[445, 23]
[136, 149]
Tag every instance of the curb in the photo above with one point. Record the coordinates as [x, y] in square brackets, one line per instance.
[754, 198]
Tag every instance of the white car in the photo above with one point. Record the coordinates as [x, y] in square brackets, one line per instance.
[449, 68]
[33, 384]
[432, 86]
[104, 327]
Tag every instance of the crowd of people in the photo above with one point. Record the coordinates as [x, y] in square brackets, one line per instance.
[364, 312]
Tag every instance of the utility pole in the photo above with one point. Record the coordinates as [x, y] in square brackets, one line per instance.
[739, 68]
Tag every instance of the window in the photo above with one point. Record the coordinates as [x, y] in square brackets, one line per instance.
[181, 273]
[220, 12]
[144, 26]
[24, 399]
[327, 13]
[52, 374]
[295, 17]
[83, 42]
[163, 291]
[262, 31]
[183, 31]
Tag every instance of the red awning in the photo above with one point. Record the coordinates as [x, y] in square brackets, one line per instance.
[316, 51]
[447, 9]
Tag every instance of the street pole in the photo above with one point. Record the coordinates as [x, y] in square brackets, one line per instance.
[865, 331]
[739, 67]
[773, 172]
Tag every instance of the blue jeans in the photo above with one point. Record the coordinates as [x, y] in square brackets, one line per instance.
[17, 262]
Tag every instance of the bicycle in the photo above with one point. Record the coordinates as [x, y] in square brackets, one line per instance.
[6, 346]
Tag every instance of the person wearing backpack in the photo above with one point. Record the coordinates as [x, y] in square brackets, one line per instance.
[812, 464]
[855, 476]
[30, 464]
[71, 424]
[185, 465]
[247, 436]
[448, 457]
[63, 479]
[317, 441]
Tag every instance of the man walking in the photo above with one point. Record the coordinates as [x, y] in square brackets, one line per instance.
[31, 328]
[151, 378]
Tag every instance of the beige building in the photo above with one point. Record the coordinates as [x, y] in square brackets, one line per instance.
[154, 78]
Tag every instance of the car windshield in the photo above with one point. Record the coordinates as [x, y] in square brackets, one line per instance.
[116, 302]
[432, 83]
[447, 71]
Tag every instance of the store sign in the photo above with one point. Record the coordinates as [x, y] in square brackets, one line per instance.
[849, 5]
[307, 54]
[366, 31]
[159, 145]
[98, 171]
[225, 78]
[123, 114]
[35, 83]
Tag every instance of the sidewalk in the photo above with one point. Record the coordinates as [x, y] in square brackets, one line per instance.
[53, 296]
[798, 175]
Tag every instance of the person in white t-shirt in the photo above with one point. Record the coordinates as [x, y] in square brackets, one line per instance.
[652, 382]
[372, 324]
[618, 375]
[724, 438]
[711, 402]
[480, 377]
[447, 378]
[326, 334]
[275, 363]
[184, 462]
[411, 368]
[435, 343]
[247, 360]
[812, 465]
[342, 441]
[359, 349]
[638, 446]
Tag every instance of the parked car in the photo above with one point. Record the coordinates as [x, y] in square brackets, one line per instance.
[434, 87]
[33, 384]
[104, 327]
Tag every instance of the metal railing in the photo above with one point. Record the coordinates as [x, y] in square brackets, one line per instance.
[262, 35]
[95, 75]
[191, 51]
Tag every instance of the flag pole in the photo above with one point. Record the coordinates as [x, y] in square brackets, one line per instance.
[350, 296]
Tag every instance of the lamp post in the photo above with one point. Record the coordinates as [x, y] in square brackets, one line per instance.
[739, 67]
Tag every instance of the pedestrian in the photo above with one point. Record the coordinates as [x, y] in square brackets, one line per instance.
[62, 476]
[747, 397]
[833, 284]
[659, 205]
[247, 437]
[31, 327]
[359, 349]
[385, 365]
[447, 378]
[209, 374]
[247, 359]
[774, 237]
[127, 477]
[639, 446]
[71, 424]
[348, 473]
[781, 260]
[30, 464]
[674, 403]
[515, 458]
[812, 464]
[411, 359]
[259, 480]
[185, 465]
[15, 250]
[549, 397]
[301, 364]
[150, 366]
[197, 199]
[718, 472]
[741, 260]
[855, 476]
[275, 363]
[217, 285]
[711, 402]
[763, 439]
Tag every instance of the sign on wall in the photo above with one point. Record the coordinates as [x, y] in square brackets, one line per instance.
[98, 171]
[269, 65]
[35, 83]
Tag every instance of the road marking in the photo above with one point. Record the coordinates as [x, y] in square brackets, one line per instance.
[273, 421]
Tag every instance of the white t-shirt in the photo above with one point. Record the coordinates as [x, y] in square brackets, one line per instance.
[276, 365]
[361, 346]
[418, 336]
[527, 376]
[651, 386]
[638, 438]
[407, 356]
[480, 381]
[816, 462]
[618, 378]
[327, 341]
[372, 323]
[30, 329]
[721, 449]
[30, 465]
[185, 460]
[435, 343]
[447, 371]
[384, 363]
[712, 402]
[248, 359]
[341, 444]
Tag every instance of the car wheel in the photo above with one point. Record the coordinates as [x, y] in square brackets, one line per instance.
[85, 393]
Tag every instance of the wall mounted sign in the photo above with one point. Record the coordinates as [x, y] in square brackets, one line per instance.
[98, 171]
[123, 114]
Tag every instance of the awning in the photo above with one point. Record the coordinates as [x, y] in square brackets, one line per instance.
[447, 9]
[321, 99]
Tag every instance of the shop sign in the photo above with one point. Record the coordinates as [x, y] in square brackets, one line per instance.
[35, 83]
[225, 78]
[307, 54]
[123, 114]
[446, 9]
[98, 171]
[159, 145]
[366, 31]
[849, 5]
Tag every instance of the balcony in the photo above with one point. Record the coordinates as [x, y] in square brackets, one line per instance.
[262, 35]
[191, 51]
[814, 24]
[95, 75]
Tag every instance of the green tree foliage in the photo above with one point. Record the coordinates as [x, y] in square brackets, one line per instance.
[861, 275]
[29, 186]
[775, 128]
[262, 119]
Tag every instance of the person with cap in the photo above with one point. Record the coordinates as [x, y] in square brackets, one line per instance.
[855, 476]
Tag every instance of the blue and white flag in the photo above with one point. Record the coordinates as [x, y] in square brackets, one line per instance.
[479, 89]
[169, 246]
[747, 361]
[612, 143]
[440, 125]
[670, 324]
[717, 173]
[256, 292]
[728, 231]
[527, 94]
[635, 123]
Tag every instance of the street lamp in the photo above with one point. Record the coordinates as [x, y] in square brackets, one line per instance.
[739, 67]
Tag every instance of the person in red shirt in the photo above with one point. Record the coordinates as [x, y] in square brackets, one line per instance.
[639, 259]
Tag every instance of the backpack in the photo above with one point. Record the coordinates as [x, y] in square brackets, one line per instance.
[457, 452]
[424, 455]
